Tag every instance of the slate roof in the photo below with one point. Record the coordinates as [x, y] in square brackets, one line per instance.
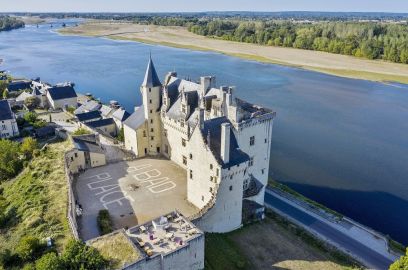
[18, 85]
[254, 187]
[23, 96]
[106, 110]
[88, 115]
[151, 79]
[121, 114]
[213, 127]
[136, 119]
[87, 145]
[36, 92]
[89, 105]
[5, 110]
[101, 123]
[45, 131]
[62, 91]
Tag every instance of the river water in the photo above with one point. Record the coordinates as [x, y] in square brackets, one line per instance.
[341, 142]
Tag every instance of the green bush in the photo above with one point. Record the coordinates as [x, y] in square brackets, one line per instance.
[28, 146]
[30, 117]
[49, 261]
[8, 259]
[29, 248]
[401, 263]
[78, 256]
[104, 222]
[81, 131]
[10, 162]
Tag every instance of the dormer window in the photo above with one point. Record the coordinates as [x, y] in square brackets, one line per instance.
[183, 108]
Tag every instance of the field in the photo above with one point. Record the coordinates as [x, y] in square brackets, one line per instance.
[179, 37]
[272, 244]
[38, 197]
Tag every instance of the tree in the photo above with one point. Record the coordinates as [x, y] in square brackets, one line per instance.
[5, 94]
[104, 222]
[49, 261]
[29, 248]
[401, 263]
[28, 146]
[31, 102]
[121, 135]
[10, 163]
[78, 256]
[30, 117]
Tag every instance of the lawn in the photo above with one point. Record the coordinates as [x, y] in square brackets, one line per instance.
[37, 198]
[273, 243]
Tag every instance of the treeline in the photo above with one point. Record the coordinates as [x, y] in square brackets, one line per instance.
[9, 23]
[372, 40]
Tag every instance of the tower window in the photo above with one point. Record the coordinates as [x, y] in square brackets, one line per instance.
[183, 142]
[251, 162]
[252, 140]
[191, 156]
[151, 130]
[150, 90]
[191, 174]
[184, 160]
[151, 111]
[150, 101]
[230, 188]
[152, 138]
[151, 121]
[144, 133]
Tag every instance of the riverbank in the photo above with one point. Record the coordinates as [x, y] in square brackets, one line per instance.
[179, 37]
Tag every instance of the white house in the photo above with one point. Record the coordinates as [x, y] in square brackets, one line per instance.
[62, 96]
[120, 116]
[221, 141]
[8, 124]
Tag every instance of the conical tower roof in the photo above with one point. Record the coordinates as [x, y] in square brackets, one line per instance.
[151, 79]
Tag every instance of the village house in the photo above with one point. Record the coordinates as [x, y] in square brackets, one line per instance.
[62, 96]
[119, 116]
[221, 141]
[8, 123]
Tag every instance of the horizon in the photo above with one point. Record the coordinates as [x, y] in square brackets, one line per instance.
[185, 6]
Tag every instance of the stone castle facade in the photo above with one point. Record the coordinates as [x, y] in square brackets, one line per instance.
[221, 141]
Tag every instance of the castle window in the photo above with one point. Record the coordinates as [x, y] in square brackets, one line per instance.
[152, 138]
[202, 198]
[230, 188]
[191, 156]
[76, 155]
[211, 189]
[251, 162]
[184, 160]
[252, 140]
[144, 133]
[150, 90]
[191, 174]
[166, 148]
[183, 108]
[231, 176]
[266, 140]
[165, 133]
[150, 101]
[218, 172]
[183, 142]
[263, 171]
[211, 166]
[151, 111]
[151, 121]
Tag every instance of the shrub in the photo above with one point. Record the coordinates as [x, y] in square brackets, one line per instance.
[81, 131]
[39, 124]
[28, 146]
[49, 261]
[7, 258]
[30, 266]
[401, 263]
[104, 222]
[29, 248]
[77, 256]
[30, 117]
[10, 163]
[71, 109]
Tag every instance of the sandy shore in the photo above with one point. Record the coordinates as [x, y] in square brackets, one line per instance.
[341, 65]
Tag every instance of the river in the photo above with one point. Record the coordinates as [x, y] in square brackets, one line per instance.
[342, 142]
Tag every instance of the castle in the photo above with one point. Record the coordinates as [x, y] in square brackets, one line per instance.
[221, 141]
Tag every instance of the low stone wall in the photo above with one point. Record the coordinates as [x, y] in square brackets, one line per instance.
[71, 214]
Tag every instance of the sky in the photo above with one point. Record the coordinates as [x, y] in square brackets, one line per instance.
[201, 5]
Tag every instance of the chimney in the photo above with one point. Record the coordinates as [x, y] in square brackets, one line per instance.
[225, 142]
[200, 117]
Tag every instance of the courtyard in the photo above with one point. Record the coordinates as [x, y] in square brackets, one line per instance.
[134, 192]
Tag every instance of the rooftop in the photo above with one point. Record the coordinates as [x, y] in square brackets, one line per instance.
[151, 79]
[164, 235]
[19, 85]
[5, 110]
[101, 123]
[88, 115]
[62, 91]
[121, 114]
[117, 248]
[87, 143]
[136, 119]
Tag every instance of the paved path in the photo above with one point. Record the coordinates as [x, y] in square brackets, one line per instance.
[340, 239]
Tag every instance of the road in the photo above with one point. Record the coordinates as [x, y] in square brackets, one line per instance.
[370, 258]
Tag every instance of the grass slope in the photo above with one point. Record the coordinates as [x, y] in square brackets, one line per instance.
[38, 196]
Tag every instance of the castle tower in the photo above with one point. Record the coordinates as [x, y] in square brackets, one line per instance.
[151, 89]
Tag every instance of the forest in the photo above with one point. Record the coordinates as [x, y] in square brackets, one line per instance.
[9, 23]
[371, 40]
